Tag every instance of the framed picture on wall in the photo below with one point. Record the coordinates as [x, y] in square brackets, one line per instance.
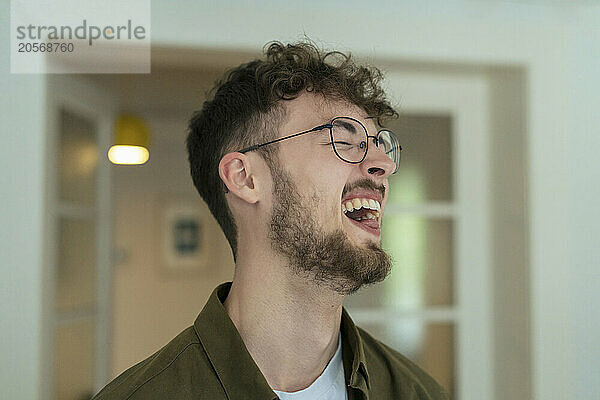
[183, 235]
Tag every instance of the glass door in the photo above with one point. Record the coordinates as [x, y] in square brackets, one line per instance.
[433, 307]
[417, 232]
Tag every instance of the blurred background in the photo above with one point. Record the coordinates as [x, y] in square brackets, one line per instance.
[492, 219]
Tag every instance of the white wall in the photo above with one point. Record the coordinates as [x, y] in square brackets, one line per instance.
[151, 306]
[22, 158]
[583, 149]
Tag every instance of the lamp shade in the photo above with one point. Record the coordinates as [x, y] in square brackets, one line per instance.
[131, 141]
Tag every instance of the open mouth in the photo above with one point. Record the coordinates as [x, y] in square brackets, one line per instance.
[363, 212]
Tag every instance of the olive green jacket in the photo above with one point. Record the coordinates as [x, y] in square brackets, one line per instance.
[210, 361]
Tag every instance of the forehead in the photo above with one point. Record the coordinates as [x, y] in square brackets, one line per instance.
[310, 110]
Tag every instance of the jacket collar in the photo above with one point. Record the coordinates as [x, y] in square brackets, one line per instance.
[228, 355]
[355, 361]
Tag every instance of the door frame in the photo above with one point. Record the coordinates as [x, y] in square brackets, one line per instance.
[81, 97]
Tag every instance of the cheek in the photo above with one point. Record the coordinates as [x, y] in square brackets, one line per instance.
[321, 178]
[329, 199]
[299, 155]
[332, 173]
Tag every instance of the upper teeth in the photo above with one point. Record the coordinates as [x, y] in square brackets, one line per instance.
[358, 203]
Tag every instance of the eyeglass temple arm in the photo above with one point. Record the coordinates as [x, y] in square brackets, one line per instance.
[256, 146]
[397, 147]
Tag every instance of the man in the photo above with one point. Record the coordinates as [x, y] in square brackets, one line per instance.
[287, 155]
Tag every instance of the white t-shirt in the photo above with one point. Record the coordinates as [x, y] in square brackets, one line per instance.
[330, 385]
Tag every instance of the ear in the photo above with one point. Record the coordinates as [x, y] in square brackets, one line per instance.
[235, 171]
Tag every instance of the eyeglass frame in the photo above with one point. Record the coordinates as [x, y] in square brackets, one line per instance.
[330, 127]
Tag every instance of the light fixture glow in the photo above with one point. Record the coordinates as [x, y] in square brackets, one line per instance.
[131, 140]
[127, 154]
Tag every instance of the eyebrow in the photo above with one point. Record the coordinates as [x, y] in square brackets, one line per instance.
[347, 125]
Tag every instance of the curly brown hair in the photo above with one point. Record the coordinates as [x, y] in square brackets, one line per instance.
[245, 107]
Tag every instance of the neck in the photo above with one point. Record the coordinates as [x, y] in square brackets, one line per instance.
[289, 324]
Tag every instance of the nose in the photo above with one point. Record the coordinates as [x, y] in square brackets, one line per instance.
[377, 163]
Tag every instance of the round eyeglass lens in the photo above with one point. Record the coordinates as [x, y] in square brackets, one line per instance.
[349, 139]
[390, 145]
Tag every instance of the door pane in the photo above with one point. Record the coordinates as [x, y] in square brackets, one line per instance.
[74, 361]
[422, 272]
[429, 345]
[77, 159]
[76, 266]
[425, 172]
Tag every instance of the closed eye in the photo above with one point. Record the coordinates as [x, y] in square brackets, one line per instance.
[342, 143]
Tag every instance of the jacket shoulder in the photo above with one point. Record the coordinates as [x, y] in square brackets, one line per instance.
[390, 368]
[165, 373]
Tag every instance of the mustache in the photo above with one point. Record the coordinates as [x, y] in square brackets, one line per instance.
[364, 183]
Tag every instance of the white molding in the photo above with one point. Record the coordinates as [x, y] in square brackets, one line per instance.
[104, 272]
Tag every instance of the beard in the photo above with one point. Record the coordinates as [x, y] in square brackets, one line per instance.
[328, 258]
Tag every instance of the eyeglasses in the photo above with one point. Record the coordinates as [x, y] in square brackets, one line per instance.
[350, 141]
